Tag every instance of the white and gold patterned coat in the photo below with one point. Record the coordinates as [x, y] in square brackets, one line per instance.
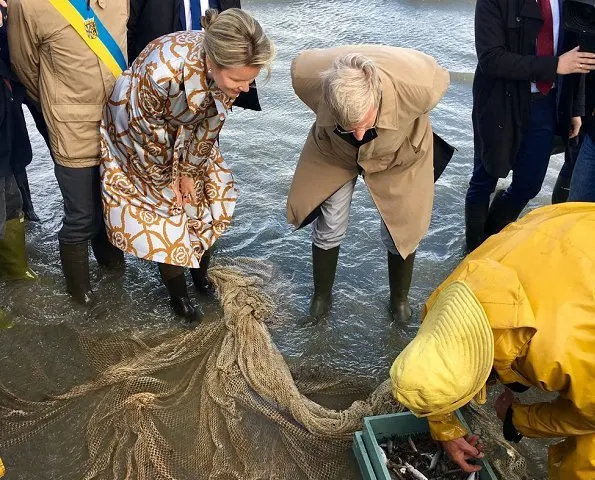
[162, 120]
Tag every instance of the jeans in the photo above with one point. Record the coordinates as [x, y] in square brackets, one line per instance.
[582, 185]
[530, 167]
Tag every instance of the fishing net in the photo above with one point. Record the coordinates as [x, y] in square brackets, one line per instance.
[217, 402]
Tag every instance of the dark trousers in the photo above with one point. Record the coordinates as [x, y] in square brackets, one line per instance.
[10, 201]
[582, 186]
[531, 163]
[81, 191]
[39, 120]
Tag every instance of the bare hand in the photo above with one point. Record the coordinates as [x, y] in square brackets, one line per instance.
[575, 127]
[461, 450]
[184, 190]
[575, 61]
[503, 403]
[2, 14]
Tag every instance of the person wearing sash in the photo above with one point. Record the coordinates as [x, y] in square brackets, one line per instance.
[68, 54]
[150, 19]
[167, 191]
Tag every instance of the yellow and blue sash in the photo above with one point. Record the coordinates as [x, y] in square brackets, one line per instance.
[93, 32]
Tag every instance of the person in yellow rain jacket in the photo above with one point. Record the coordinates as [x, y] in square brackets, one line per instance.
[520, 308]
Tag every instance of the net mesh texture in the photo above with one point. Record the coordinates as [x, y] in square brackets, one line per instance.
[218, 402]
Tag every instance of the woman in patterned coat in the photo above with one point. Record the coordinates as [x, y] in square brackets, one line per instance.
[167, 192]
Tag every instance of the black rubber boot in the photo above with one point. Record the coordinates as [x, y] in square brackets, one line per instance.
[561, 190]
[476, 215]
[23, 184]
[400, 272]
[175, 282]
[75, 266]
[502, 212]
[105, 253]
[324, 266]
[200, 276]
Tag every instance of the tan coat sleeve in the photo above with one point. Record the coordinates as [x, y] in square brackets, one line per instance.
[23, 43]
[306, 83]
[441, 82]
[420, 97]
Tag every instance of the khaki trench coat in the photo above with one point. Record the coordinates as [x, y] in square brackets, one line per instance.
[397, 166]
[64, 75]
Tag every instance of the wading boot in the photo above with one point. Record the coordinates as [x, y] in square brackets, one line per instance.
[200, 276]
[13, 254]
[476, 215]
[502, 212]
[105, 253]
[75, 267]
[174, 280]
[324, 266]
[561, 189]
[400, 272]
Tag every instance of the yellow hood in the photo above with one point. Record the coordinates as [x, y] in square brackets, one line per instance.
[450, 359]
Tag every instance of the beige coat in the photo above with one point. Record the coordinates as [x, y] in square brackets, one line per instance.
[397, 166]
[61, 72]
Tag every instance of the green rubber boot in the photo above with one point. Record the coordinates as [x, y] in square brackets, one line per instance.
[13, 254]
[324, 266]
[400, 272]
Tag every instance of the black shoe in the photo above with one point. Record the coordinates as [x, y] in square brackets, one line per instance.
[561, 190]
[476, 215]
[324, 266]
[178, 293]
[184, 308]
[75, 266]
[105, 253]
[400, 272]
[30, 214]
[23, 184]
[502, 212]
[200, 276]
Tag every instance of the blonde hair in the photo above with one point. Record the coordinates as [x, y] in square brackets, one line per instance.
[233, 38]
[350, 88]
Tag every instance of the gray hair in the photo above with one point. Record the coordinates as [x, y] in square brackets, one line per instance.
[351, 87]
[233, 38]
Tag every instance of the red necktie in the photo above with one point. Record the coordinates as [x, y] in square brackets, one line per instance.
[8, 85]
[545, 40]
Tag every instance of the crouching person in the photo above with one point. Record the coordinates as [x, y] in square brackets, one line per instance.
[371, 104]
[519, 309]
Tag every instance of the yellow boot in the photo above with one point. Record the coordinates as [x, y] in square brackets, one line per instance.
[13, 255]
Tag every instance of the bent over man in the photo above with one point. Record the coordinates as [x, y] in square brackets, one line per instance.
[371, 104]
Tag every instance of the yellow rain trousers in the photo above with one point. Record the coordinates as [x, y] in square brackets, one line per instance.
[536, 283]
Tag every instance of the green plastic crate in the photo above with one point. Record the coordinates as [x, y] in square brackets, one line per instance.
[361, 455]
[382, 427]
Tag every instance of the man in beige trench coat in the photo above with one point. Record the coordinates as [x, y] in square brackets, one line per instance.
[371, 104]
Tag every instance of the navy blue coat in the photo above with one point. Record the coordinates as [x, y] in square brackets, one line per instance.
[15, 148]
[505, 40]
